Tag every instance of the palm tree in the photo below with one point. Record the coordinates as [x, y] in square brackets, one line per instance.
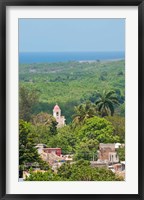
[106, 102]
[83, 112]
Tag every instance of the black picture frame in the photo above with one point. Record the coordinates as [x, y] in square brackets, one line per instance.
[3, 182]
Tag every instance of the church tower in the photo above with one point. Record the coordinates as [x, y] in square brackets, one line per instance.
[57, 115]
[57, 112]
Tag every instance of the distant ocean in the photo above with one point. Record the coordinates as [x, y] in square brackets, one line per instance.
[39, 57]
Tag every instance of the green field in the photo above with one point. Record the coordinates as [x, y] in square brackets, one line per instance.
[72, 83]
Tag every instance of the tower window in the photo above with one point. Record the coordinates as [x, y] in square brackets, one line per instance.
[57, 113]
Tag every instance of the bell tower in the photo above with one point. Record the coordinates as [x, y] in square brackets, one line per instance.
[57, 112]
[57, 115]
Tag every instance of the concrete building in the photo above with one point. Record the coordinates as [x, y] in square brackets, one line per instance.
[56, 151]
[51, 155]
[107, 152]
[57, 115]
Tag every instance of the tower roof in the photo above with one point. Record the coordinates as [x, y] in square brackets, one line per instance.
[56, 108]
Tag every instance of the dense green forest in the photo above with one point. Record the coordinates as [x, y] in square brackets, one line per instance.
[91, 96]
[72, 83]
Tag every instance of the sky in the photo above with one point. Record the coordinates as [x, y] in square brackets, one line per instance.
[73, 35]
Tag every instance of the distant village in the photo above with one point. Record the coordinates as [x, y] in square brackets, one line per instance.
[106, 155]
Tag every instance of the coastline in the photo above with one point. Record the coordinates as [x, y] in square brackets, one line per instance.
[102, 61]
[76, 61]
[63, 57]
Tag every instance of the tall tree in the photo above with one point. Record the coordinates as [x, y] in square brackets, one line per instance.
[119, 126]
[86, 149]
[83, 112]
[66, 139]
[106, 102]
[27, 100]
[100, 129]
[28, 154]
[47, 120]
[44, 126]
